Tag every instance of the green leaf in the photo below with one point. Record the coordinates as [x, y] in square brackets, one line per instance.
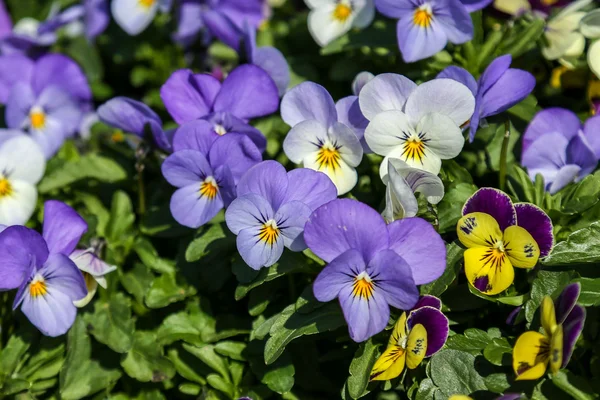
[450, 208]
[575, 386]
[90, 166]
[121, 219]
[13, 386]
[111, 323]
[584, 196]
[145, 361]
[520, 184]
[181, 326]
[209, 357]
[426, 390]
[473, 341]
[165, 290]
[137, 281]
[360, 369]
[497, 383]
[454, 372]
[217, 382]
[214, 240]
[279, 376]
[149, 256]
[547, 283]
[453, 264]
[79, 375]
[494, 352]
[291, 325]
[190, 389]
[582, 246]
[231, 349]
[590, 292]
[381, 34]
[12, 354]
[186, 365]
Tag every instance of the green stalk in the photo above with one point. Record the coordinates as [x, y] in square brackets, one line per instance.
[503, 155]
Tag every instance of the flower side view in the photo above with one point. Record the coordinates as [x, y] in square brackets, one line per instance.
[330, 19]
[371, 265]
[562, 322]
[349, 112]
[420, 334]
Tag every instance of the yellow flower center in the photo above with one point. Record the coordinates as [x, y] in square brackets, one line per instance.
[342, 12]
[118, 136]
[329, 157]
[5, 188]
[423, 16]
[147, 3]
[209, 188]
[37, 118]
[37, 287]
[269, 232]
[363, 286]
[414, 149]
[220, 130]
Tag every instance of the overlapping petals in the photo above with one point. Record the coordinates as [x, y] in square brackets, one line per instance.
[330, 19]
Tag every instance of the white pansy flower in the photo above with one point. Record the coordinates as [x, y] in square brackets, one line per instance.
[93, 269]
[133, 16]
[330, 19]
[562, 33]
[590, 28]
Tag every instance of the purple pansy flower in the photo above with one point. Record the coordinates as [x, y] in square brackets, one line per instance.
[91, 17]
[558, 147]
[268, 58]
[348, 109]
[248, 92]
[134, 116]
[271, 209]
[207, 181]
[223, 19]
[25, 37]
[425, 26]
[499, 88]
[371, 265]
[475, 5]
[5, 21]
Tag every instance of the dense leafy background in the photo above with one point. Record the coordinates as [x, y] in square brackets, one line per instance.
[184, 317]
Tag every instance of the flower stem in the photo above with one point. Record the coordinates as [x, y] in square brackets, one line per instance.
[503, 155]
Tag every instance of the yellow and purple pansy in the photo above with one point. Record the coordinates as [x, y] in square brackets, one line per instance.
[500, 235]
[420, 334]
[562, 322]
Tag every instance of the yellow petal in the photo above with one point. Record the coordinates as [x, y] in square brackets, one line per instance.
[556, 349]
[488, 270]
[389, 365]
[416, 347]
[459, 397]
[521, 247]
[530, 355]
[478, 230]
[548, 316]
[399, 331]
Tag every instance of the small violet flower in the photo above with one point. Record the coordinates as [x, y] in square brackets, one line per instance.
[421, 334]
[271, 209]
[558, 147]
[248, 92]
[499, 88]
[500, 235]
[402, 182]
[317, 140]
[22, 165]
[91, 18]
[330, 19]
[562, 321]
[425, 26]
[371, 265]
[348, 109]
[418, 124]
[26, 36]
[133, 16]
[207, 180]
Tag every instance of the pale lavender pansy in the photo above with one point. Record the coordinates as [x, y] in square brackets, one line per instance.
[317, 139]
[247, 93]
[498, 89]
[558, 147]
[330, 19]
[426, 26]
[371, 265]
[348, 109]
[272, 208]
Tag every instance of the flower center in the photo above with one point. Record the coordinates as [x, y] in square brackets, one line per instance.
[147, 3]
[329, 157]
[363, 286]
[423, 16]
[37, 287]
[549, 2]
[414, 149]
[342, 12]
[5, 188]
[269, 232]
[209, 188]
[37, 118]
[220, 129]
[118, 136]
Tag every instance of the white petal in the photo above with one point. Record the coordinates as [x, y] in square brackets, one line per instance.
[589, 25]
[319, 3]
[383, 93]
[400, 201]
[420, 181]
[360, 80]
[23, 159]
[92, 287]
[561, 43]
[593, 57]
[344, 177]
[351, 150]
[324, 28]
[303, 139]
[512, 7]
[430, 162]
[17, 208]
[364, 14]
[442, 96]
[132, 16]
[385, 130]
[443, 136]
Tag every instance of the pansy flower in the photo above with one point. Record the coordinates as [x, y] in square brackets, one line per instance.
[500, 235]
[562, 37]
[133, 16]
[93, 269]
[317, 140]
[562, 322]
[371, 265]
[348, 109]
[419, 125]
[420, 334]
[561, 149]
[330, 19]
[402, 182]
[499, 88]
[271, 209]
[426, 26]
[248, 92]
[206, 181]
[25, 37]
[22, 165]
[133, 116]
[90, 17]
